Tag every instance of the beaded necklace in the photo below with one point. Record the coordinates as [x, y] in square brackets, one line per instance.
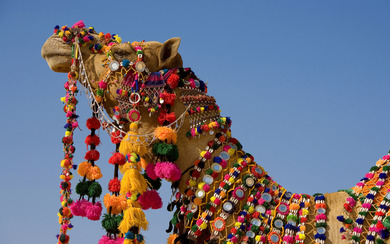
[67, 164]
[320, 218]
[303, 213]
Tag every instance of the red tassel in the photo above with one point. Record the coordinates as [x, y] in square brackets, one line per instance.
[92, 155]
[92, 140]
[93, 123]
[169, 98]
[114, 185]
[117, 158]
[173, 81]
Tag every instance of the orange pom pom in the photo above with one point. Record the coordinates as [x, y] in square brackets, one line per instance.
[165, 133]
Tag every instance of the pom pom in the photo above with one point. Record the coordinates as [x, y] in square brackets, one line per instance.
[110, 225]
[82, 187]
[168, 150]
[94, 173]
[92, 155]
[83, 168]
[78, 208]
[168, 171]
[93, 123]
[79, 24]
[166, 134]
[150, 171]
[94, 211]
[117, 158]
[94, 190]
[173, 81]
[150, 199]
[114, 185]
[95, 140]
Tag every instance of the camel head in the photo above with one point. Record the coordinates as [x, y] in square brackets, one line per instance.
[57, 50]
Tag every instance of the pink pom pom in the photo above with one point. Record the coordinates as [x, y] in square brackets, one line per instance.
[357, 230]
[366, 205]
[386, 157]
[94, 211]
[79, 24]
[168, 171]
[69, 114]
[78, 207]
[369, 175]
[360, 184]
[75, 124]
[206, 188]
[223, 163]
[108, 240]
[241, 219]
[150, 171]
[102, 85]
[380, 183]
[150, 199]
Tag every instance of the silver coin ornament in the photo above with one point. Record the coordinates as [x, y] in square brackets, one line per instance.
[267, 197]
[208, 179]
[321, 230]
[200, 193]
[114, 65]
[278, 223]
[321, 211]
[216, 167]
[140, 66]
[224, 155]
[260, 208]
[256, 221]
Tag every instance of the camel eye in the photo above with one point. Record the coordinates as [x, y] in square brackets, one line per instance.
[121, 54]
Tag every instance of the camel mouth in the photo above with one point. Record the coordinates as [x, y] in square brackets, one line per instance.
[57, 54]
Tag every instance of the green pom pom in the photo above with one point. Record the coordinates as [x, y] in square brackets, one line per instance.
[165, 149]
[190, 215]
[376, 189]
[348, 221]
[155, 184]
[374, 168]
[174, 220]
[356, 238]
[386, 168]
[255, 228]
[194, 228]
[292, 217]
[82, 188]
[109, 224]
[118, 219]
[209, 171]
[379, 241]
[318, 225]
[386, 222]
[94, 190]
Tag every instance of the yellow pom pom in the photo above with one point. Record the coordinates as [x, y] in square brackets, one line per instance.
[231, 151]
[203, 153]
[101, 34]
[67, 33]
[61, 34]
[133, 197]
[192, 182]
[251, 209]
[118, 39]
[305, 212]
[63, 99]
[229, 133]
[202, 109]
[212, 198]
[62, 177]
[200, 185]
[203, 226]
[229, 242]
[231, 180]
[258, 238]
[152, 110]
[133, 217]
[240, 160]
[68, 133]
[147, 99]
[302, 236]
[237, 224]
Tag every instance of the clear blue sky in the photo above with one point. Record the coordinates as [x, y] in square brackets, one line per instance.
[306, 84]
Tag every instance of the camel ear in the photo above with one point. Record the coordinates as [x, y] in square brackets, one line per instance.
[169, 50]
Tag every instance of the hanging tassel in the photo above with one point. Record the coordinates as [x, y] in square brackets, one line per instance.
[133, 181]
[133, 217]
[132, 143]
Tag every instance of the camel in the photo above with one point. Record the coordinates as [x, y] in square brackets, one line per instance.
[158, 56]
